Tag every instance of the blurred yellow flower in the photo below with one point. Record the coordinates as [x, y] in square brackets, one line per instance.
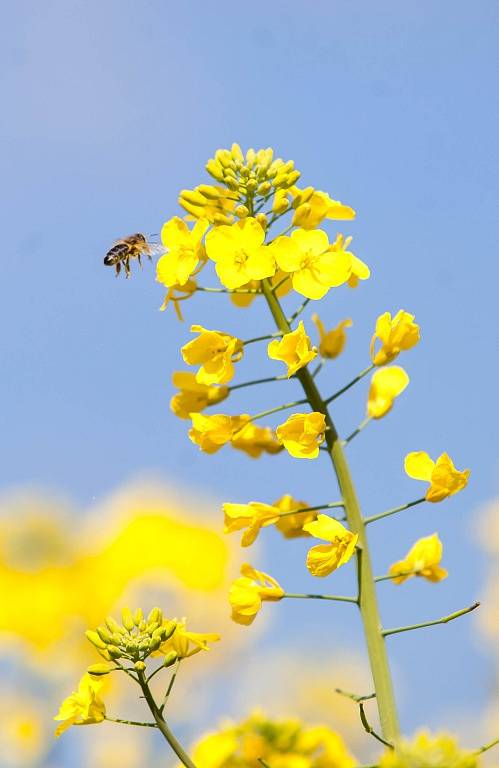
[249, 590]
[193, 396]
[185, 251]
[24, 739]
[291, 525]
[294, 349]
[239, 253]
[423, 559]
[332, 342]
[427, 751]
[444, 478]
[395, 334]
[185, 643]
[252, 516]
[302, 434]
[83, 707]
[254, 440]
[317, 207]
[323, 559]
[215, 352]
[211, 202]
[314, 268]
[210, 433]
[386, 385]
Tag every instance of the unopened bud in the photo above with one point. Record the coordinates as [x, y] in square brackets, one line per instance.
[151, 627]
[104, 635]
[169, 629]
[301, 214]
[127, 618]
[250, 158]
[113, 625]
[293, 178]
[114, 652]
[99, 669]
[241, 211]
[215, 170]
[155, 615]
[224, 157]
[264, 188]
[144, 645]
[221, 218]
[209, 192]
[94, 638]
[303, 196]
[262, 220]
[138, 616]
[139, 666]
[155, 643]
[192, 196]
[236, 153]
[251, 185]
[170, 658]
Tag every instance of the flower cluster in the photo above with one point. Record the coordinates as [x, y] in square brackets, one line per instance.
[427, 751]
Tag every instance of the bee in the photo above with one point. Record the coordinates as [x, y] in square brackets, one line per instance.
[128, 248]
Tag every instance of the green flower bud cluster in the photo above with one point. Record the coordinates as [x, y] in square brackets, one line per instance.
[134, 640]
[256, 174]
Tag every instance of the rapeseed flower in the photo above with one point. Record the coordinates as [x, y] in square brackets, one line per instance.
[395, 334]
[331, 342]
[289, 524]
[294, 349]
[386, 385]
[185, 643]
[323, 559]
[302, 434]
[185, 251]
[253, 516]
[423, 559]
[444, 478]
[239, 253]
[247, 593]
[254, 440]
[82, 707]
[427, 751]
[313, 208]
[193, 396]
[216, 352]
[210, 433]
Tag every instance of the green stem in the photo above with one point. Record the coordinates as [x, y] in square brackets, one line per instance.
[368, 727]
[354, 696]
[361, 426]
[487, 747]
[338, 598]
[444, 620]
[263, 338]
[278, 408]
[393, 511]
[350, 384]
[130, 722]
[257, 381]
[228, 290]
[296, 314]
[170, 686]
[368, 603]
[162, 724]
[391, 576]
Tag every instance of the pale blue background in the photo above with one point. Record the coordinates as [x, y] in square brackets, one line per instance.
[109, 108]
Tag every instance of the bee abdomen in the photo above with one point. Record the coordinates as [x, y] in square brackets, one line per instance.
[115, 254]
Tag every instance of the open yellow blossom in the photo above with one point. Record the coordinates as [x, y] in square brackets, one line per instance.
[302, 434]
[185, 251]
[323, 559]
[252, 516]
[395, 334]
[358, 269]
[294, 349]
[320, 206]
[193, 396]
[423, 559]
[386, 385]
[186, 643]
[83, 707]
[332, 342]
[211, 202]
[178, 293]
[254, 440]
[210, 433]
[249, 590]
[291, 525]
[216, 352]
[427, 751]
[239, 253]
[444, 478]
[314, 267]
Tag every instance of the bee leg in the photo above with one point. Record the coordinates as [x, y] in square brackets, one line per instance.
[139, 260]
[126, 265]
[117, 267]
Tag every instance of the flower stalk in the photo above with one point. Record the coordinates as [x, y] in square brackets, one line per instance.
[422, 625]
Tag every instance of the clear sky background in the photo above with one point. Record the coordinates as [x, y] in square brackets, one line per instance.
[109, 109]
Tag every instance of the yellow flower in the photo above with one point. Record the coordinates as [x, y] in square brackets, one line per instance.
[186, 643]
[358, 269]
[395, 335]
[323, 559]
[239, 253]
[249, 590]
[444, 478]
[423, 559]
[386, 385]
[178, 293]
[214, 203]
[314, 267]
[302, 434]
[210, 433]
[331, 342]
[194, 397]
[83, 707]
[252, 516]
[294, 349]
[185, 251]
[215, 352]
[254, 440]
[426, 751]
[320, 206]
[291, 525]
[215, 749]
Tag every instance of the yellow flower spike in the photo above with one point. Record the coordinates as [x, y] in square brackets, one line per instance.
[216, 352]
[386, 385]
[291, 526]
[332, 342]
[210, 433]
[194, 397]
[314, 267]
[253, 516]
[428, 751]
[82, 707]
[395, 334]
[185, 251]
[318, 206]
[444, 478]
[254, 440]
[185, 643]
[239, 253]
[247, 593]
[323, 559]
[302, 434]
[294, 349]
[423, 559]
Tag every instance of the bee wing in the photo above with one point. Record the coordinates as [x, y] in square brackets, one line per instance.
[155, 249]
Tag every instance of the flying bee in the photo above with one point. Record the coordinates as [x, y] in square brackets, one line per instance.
[128, 248]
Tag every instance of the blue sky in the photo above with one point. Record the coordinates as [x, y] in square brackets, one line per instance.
[109, 109]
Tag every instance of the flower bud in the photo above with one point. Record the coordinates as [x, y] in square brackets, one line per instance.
[301, 214]
[144, 645]
[264, 188]
[209, 192]
[250, 158]
[170, 658]
[142, 626]
[113, 625]
[293, 178]
[94, 638]
[127, 618]
[138, 617]
[220, 218]
[139, 666]
[236, 153]
[251, 185]
[151, 627]
[262, 220]
[224, 157]
[241, 211]
[303, 196]
[116, 639]
[114, 652]
[169, 628]
[104, 635]
[99, 669]
[215, 170]
[155, 643]
[156, 614]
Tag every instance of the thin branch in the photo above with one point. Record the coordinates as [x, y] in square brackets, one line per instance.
[317, 369]
[227, 290]
[263, 338]
[487, 747]
[130, 722]
[391, 576]
[369, 729]
[354, 696]
[276, 287]
[393, 511]
[350, 384]
[298, 312]
[331, 505]
[257, 381]
[170, 686]
[338, 598]
[444, 620]
[361, 426]
[278, 408]
[262, 762]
